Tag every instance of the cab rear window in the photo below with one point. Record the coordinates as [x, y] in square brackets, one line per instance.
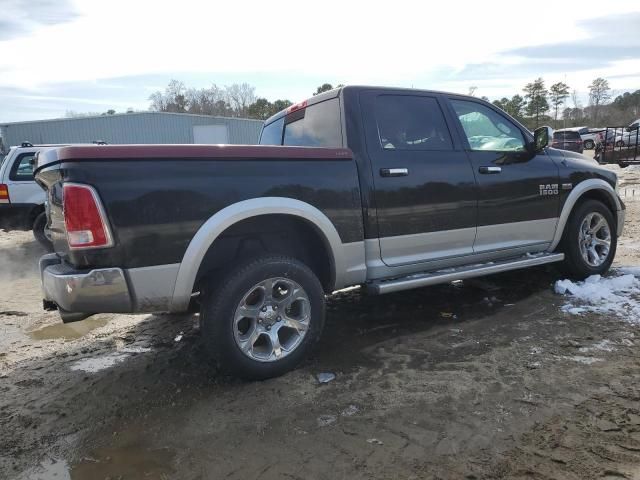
[317, 125]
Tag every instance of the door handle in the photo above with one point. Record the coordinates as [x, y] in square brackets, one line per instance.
[490, 170]
[394, 172]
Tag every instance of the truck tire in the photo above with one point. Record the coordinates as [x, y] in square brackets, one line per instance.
[263, 318]
[590, 240]
[39, 231]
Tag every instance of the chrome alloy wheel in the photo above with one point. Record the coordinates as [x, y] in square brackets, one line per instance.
[272, 319]
[594, 239]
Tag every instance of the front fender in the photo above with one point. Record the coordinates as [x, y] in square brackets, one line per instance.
[578, 191]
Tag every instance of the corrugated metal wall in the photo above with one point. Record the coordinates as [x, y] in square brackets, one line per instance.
[144, 127]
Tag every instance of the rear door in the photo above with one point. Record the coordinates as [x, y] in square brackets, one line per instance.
[518, 191]
[22, 187]
[425, 191]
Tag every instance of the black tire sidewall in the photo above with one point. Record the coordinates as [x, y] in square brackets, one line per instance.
[574, 262]
[39, 225]
[589, 144]
[219, 306]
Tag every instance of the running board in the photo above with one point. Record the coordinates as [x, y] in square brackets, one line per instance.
[460, 273]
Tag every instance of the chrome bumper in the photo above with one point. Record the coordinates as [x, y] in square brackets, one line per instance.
[84, 292]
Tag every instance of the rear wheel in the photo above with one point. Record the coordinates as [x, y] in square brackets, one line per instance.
[590, 240]
[589, 144]
[264, 317]
[41, 233]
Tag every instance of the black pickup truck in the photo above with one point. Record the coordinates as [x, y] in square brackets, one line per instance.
[387, 188]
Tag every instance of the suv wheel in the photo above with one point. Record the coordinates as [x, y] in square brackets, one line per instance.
[589, 144]
[264, 317]
[41, 233]
[590, 240]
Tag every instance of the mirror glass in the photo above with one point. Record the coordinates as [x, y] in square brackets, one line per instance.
[541, 138]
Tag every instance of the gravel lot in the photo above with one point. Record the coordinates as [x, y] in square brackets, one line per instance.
[485, 379]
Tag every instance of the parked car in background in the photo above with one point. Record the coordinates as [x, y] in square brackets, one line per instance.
[22, 201]
[630, 136]
[568, 139]
[387, 188]
[592, 137]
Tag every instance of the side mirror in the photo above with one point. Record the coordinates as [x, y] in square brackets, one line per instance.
[540, 138]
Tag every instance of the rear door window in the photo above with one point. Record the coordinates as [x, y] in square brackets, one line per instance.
[22, 169]
[317, 125]
[407, 122]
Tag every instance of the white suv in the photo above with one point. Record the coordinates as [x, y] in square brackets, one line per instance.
[21, 198]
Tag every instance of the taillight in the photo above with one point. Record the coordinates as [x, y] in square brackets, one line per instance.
[84, 218]
[4, 193]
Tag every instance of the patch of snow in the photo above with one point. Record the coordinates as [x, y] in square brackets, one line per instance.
[326, 377]
[350, 411]
[375, 441]
[96, 364]
[178, 337]
[585, 360]
[629, 270]
[326, 420]
[616, 295]
[136, 349]
[603, 346]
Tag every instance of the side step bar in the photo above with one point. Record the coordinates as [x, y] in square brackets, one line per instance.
[460, 273]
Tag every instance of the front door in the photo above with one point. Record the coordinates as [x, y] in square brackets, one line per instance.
[425, 191]
[518, 191]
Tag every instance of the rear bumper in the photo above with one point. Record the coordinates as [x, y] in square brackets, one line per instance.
[86, 292]
[16, 216]
[80, 293]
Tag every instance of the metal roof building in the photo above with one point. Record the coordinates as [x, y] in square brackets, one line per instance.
[138, 127]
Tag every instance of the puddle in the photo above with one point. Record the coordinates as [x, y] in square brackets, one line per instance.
[68, 331]
[130, 461]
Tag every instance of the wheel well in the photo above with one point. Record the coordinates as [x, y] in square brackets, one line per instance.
[601, 196]
[273, 233]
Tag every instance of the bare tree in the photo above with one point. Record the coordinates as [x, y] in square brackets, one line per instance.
[240, 96]
[599, 94]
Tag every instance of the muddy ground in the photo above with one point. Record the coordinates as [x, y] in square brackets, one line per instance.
[479, 380]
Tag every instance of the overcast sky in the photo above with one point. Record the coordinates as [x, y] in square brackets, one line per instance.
[93, 55]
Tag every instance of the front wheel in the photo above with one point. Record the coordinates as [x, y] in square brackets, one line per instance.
[590, 240]
[589, 144]
[264, 317]
[40, 232]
